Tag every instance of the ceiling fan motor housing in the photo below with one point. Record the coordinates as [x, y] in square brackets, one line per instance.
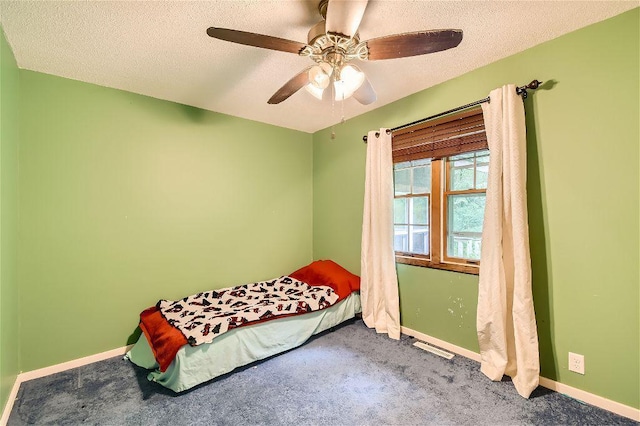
[335, 49]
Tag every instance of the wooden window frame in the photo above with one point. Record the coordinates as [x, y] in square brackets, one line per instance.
[439, 139]
[437, 231]
[446, 192]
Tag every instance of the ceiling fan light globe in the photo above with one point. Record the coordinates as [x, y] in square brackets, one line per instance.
[318, 77]
[315, 91]
[342, 90]
[351, 78]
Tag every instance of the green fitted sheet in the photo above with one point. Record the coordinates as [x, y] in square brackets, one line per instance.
[197, 364]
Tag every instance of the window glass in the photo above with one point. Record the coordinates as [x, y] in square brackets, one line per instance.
[469, 171]
[421, 162]
[462, 173]
[421, 176]
[464, 222]
[465, 156]
[482, 169]
[400, 210]
[401, 238]
[420, 210]
[402, 178]
[419, 240]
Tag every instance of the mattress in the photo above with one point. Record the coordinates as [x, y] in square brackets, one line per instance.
[240, 346]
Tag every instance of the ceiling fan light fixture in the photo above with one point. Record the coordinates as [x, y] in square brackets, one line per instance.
[319, 75]
[319, 79]
[351, 78]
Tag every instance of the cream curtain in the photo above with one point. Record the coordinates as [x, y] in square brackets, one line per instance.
[506, 323]
[379, 282]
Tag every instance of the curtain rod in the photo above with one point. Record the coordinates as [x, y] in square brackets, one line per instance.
[522, 91]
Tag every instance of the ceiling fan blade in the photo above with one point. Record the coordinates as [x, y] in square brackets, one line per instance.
[344, 16]
[412, 44]
[290, 87]
[257, 40]
[365, 93]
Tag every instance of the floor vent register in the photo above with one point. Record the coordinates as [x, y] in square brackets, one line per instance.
[427, 347]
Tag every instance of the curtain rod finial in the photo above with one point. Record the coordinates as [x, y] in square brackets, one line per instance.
[534, 84]
[523, 89]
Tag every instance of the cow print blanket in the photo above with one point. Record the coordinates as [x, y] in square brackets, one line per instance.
[204, 316]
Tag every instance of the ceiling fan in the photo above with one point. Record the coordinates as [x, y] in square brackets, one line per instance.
[333, 43]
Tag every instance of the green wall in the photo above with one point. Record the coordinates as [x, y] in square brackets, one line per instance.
[127, 199]
[583, 198]
[124, 199]
[9, 323]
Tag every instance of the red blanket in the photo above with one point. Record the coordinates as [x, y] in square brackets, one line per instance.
[165, 340]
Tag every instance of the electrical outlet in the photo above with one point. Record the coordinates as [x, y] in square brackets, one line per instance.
[576, 363]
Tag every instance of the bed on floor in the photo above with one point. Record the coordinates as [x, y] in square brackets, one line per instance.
[195, 339]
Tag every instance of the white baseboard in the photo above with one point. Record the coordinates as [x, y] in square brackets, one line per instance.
[42, 372]
[589, 398]
[9, 405]
[579, 394]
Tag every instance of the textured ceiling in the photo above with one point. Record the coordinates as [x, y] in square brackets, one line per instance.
[161, 49]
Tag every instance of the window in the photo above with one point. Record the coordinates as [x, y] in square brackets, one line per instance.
[440, 181]
[465, 195]
[411, 211]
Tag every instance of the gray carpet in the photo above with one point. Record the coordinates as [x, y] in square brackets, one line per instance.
[350, 376]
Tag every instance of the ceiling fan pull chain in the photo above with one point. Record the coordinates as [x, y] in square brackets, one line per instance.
[333, 107]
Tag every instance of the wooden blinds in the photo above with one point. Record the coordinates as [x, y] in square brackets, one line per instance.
[454, 134]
